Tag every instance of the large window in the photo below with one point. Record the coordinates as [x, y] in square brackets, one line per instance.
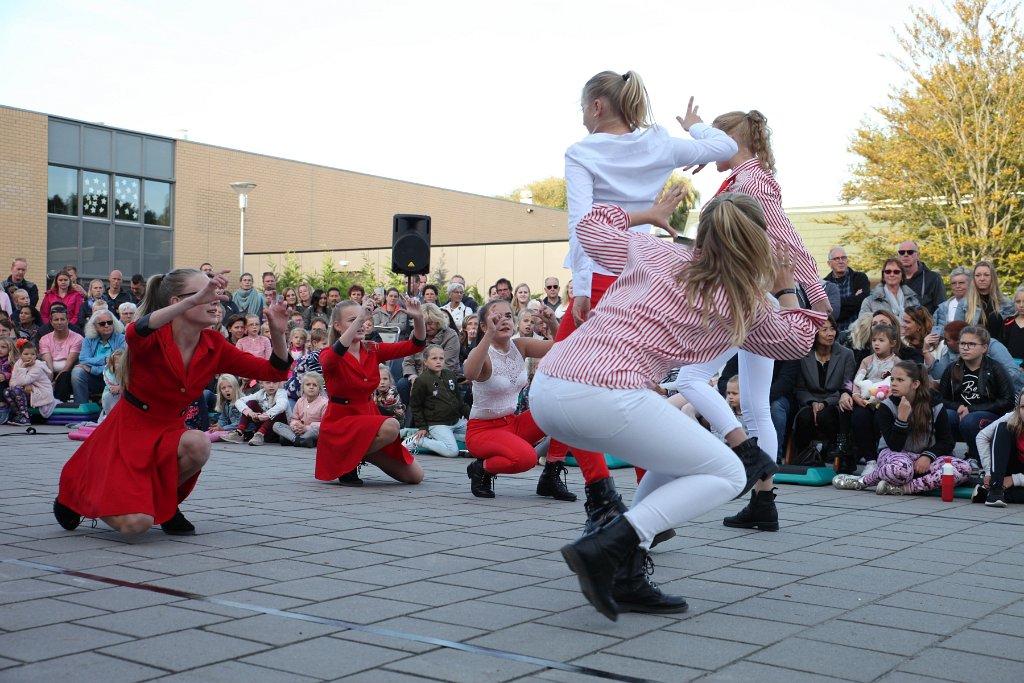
[110, 200]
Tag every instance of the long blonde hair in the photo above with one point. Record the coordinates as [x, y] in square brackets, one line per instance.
[749, 128]
[625, 94]
[732, 254]
[236, 392]
[976, 300]
[334, 335]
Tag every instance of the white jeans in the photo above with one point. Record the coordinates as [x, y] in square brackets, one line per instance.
[755, 388]
[441, 438]
[689, 471]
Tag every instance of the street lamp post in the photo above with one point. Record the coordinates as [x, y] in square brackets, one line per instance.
[243, 189]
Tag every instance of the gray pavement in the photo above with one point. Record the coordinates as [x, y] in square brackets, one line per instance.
[291, 579]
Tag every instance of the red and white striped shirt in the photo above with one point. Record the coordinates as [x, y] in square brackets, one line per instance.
[751, 179]
[645, 325]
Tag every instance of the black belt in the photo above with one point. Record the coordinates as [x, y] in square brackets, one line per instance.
[338, 399]
[137, 402]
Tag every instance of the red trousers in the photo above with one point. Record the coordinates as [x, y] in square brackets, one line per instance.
[505, 444]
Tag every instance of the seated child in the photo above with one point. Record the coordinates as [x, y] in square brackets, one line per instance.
[437, 408]
[228, 393]
[386, 396]
[111, 384]
[308, 363]
[304, 427]
[30, 384]
[260, 411]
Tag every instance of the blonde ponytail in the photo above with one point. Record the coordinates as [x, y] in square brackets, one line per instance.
[625, 94]
[750, 129]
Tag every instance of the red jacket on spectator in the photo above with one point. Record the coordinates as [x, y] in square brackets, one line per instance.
[72, 301]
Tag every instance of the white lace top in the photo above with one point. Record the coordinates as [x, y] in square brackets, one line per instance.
[499, 395]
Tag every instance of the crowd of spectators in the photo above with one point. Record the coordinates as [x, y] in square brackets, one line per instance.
[970, 343]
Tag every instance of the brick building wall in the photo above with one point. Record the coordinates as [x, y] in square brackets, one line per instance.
[23, 149]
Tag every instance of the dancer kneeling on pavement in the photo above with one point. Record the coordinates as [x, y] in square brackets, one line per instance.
[141, 462]
[352, 430]
[502, 441]
[437, 408]
[589, 392]
[915, 438]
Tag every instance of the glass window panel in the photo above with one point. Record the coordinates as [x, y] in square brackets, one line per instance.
[61, 243]
[157, 245]
[62, 191]
[96, 147]
[159, 158]
[129, 153]
[63, 142]
[95, 195]
[126, 199]
[127, 249]
[95, 249]
[157, 197]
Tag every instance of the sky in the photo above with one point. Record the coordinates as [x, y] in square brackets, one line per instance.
[476, 96]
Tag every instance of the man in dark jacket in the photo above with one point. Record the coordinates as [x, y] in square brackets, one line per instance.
[853, 287]
[926, 284]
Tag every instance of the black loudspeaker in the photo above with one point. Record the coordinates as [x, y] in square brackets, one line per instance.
[410, 244]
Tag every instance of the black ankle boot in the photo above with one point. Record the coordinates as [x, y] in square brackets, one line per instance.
[759, 513]
[351, 478]
[552, 482]
[603, 503]
[66, 517]
[758, 464]
[481, 482]
[635, 592]
[840, 455]
[178, 525]
[596, 559]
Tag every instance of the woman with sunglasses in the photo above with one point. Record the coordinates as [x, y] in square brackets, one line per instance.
[891, 294]
[104, 334]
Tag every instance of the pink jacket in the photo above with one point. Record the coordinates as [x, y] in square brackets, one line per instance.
[308, 414]
[258, 346]
[39, 378]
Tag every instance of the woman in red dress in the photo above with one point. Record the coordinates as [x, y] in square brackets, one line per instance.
[352, 429]
[141, 462]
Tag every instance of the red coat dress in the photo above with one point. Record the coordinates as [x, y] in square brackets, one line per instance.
[347, 429]
[130, 463]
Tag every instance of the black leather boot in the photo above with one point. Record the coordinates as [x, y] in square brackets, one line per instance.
[481, 482]
[841, 455]
[178, 525]
[66, 517]
[758, 464]
[635, 592]
[759, 513]
[596, 559]
[603, 502]
[552, 482]
[351, 478]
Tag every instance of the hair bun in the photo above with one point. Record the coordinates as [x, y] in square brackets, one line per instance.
[19, 343]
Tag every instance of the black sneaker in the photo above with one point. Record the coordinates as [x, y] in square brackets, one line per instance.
[178, 525]
[66, 517]
[995, 498]
[481, 482]
[351, 478]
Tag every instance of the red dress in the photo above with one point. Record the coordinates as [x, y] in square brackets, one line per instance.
[130, 463]
[348, 428]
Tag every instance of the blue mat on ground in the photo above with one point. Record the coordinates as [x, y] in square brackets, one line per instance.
[802, 475]
[959, 492]
[610, 460]
[77, 409]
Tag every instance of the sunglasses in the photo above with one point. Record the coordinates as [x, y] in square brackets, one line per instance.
[104, 323]
[906, 252]
[892, 272]
[550, 286]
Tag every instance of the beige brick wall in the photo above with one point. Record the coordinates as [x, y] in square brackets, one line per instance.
[302, 207]
[23, 153]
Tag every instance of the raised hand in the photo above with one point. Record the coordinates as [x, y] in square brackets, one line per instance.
[413, 307]
[212, 291]
[691, 116]
[276, 316]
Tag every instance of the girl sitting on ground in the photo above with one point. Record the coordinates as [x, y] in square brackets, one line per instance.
[915, 439]
[260, 411]
[304, 426]
[1001, 445]
[111, 383]
[30, 386]
[228, 393]
[437, 408]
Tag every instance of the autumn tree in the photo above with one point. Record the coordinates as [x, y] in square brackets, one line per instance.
[944, 164]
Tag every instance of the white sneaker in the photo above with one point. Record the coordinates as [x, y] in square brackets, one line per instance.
[884, 488]
[848, 481]
[869, 467]
[411, 443]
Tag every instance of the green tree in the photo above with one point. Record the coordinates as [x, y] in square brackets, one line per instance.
[945, 163]
[548, 192]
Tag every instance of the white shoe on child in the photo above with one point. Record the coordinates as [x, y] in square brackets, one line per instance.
[411, 443]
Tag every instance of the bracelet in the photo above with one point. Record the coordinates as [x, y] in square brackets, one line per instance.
[783, 292]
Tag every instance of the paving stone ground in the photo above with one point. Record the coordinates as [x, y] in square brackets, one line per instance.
[291, 579]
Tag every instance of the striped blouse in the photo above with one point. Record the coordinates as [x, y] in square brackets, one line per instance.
[751, 179]
[645, 325]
